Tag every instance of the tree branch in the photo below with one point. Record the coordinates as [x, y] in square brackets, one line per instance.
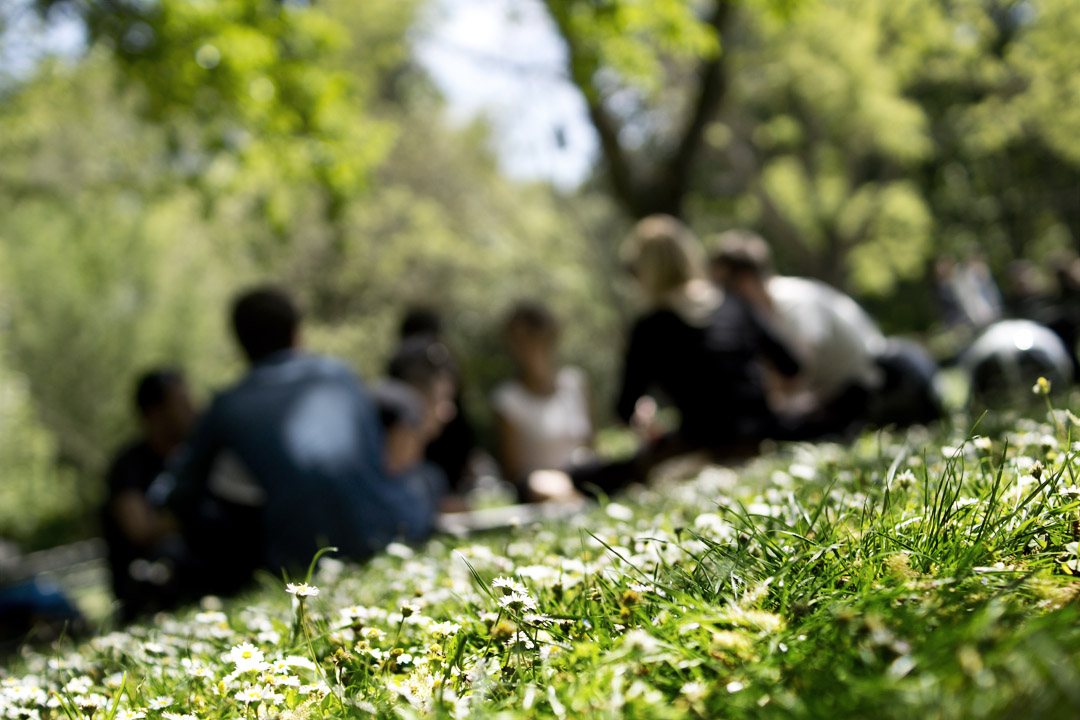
[672, 180]
[582, 65]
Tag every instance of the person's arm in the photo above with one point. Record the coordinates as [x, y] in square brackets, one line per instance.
[772, 347]
[140, 522]
[384, 509]
[183, 485]
[510, 452]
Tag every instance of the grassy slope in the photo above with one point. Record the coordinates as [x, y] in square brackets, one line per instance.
[908, 575]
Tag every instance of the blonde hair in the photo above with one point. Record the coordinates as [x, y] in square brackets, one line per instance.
[669, 262]
[664, 255]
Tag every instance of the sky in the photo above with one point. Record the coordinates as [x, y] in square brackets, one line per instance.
[27, 39]
[503, 59]
[497, 59]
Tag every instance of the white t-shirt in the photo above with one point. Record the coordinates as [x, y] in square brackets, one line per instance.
[551, 427]
[834, 339]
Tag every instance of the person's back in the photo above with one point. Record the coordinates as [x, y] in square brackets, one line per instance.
[709, 371]
[305, 430]
[305, 433]
[835, 340]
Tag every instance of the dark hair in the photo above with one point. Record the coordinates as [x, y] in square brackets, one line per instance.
[265, 320]
[152, 387]
[418, 361]
[532, 317]
[420, 321]
[742, 251]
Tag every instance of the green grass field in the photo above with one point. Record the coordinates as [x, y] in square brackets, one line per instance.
[909, 575]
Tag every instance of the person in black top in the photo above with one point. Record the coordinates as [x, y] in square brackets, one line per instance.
[709, 371]
[133, 529]
[701, 348]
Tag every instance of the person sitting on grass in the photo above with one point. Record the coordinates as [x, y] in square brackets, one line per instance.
[454, 450]
[424, 365]
[542, 414]
[851, 373]
[699, 347]
[301, 442]
[407, 430]
[135, 532]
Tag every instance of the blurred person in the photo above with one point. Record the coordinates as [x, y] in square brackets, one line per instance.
[701, 348]
[967, 294]
[977, 290]
[1007, 358]
[133, 528]
[286, 461]
[948, 304]
[543, 413]
[1026, 295]
[425, 366]
[454, 449]
[403, 415]
[850, 373]
[1030, 297]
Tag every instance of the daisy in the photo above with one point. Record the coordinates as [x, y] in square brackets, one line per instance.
[517, 601]
[250, 695]
[507, 585]
[301, 589]
[247, 657]
[444, 629]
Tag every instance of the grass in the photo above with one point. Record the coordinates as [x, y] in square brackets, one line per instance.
[910, 575]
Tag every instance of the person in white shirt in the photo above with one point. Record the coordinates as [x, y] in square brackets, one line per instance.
[849, 369]
[833, 338]
[543, 413]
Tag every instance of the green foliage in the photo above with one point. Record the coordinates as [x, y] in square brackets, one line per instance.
[97, 276]
[632, 38]
[920, 128]
[40, 504]
[861, 137]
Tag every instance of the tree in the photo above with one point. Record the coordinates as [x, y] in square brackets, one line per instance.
[612, 57]
[860, 136]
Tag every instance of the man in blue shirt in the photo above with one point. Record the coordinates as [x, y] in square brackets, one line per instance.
[289, 459]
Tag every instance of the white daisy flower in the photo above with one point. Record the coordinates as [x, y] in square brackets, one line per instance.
[301, 589]
[444, 629]
[250, 695]
[517, 602]
[246, 657]
[507, 585]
